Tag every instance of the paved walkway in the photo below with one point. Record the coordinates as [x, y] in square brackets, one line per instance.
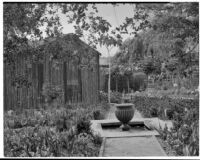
[132, 147]
[138, 146]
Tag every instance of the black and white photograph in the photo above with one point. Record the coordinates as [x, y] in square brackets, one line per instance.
[110, 79]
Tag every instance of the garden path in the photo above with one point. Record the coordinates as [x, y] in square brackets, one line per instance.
[138, 146]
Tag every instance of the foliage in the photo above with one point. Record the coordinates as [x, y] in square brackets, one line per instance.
[97, 139]
[139, 81]
[150, 66]
[22, 21]
[96, 31]
[164, 32]
[184, 113]
[54, 132]
[121, 77]
[164, 36]
[83, 125]
[51, 93]
[154, 112]
[184, 137]
[84, 146]
[46, 142]
[103, 96]
[21, 81]
[97, 114]
[116, 97]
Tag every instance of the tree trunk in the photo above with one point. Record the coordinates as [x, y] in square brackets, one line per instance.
[179, 79]
[109, 77]
[128, 84]
[80, 84]
[116, 85]
[65, 81]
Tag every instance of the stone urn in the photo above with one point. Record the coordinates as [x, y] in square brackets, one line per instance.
[124, 113]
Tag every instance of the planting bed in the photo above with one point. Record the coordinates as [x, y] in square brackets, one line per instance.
[184, 113]
[54, 132]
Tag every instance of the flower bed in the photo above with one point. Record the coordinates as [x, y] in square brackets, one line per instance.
[53, 132]
[184, 113]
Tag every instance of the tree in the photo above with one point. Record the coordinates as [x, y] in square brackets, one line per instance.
[109, 42]
[22, 25]
[23, 20]
[162, 27]
[97, 31]
[167, 27]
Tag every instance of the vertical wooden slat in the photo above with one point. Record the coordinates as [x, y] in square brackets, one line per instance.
[79, 84]
[65, 81]
[4, 87]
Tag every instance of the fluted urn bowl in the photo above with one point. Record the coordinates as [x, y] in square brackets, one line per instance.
[124, 113]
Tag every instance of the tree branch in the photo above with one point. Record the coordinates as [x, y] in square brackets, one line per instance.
[192, 48]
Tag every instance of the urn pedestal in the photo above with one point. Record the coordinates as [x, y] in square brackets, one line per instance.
[124, 113]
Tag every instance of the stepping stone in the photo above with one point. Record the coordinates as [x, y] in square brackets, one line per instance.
[131, 147]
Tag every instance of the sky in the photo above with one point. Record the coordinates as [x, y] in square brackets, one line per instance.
[114, 15]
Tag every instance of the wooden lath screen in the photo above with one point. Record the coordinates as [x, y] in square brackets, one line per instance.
[78, 84]
[22, 96]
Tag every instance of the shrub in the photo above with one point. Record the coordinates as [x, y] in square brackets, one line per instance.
[151, 65]
[115, 97]
[97, 115]
[103, 96]
[154, 112]
[169, 113]
[139, 81]
[165, 87]
[52, 132]
[97, 139]
[51, 93]
[84, 146]
[83, 125]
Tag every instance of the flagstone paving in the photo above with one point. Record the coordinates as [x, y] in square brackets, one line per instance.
[132, 147]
